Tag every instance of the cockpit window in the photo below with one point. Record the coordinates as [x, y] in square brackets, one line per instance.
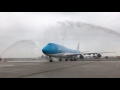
[50, 44]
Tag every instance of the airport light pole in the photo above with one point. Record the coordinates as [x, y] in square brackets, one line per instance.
[63, 42]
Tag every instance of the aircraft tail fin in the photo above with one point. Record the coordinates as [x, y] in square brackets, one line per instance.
[78, 46]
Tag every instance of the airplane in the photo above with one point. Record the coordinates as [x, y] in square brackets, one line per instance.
[59, 51]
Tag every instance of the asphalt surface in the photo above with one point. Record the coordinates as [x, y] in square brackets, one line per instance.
[69, 69]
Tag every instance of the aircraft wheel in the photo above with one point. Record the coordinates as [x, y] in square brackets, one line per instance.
[66, 59]
[71, 59]
[60, 59]
[51, 60]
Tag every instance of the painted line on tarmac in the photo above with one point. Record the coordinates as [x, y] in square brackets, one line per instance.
[7, 65]
[22, 76]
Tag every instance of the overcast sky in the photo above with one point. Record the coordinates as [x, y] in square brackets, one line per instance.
[16, 26]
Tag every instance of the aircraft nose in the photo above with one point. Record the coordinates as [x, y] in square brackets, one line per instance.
[44, 50]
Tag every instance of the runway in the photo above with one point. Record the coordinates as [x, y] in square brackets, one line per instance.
[70, 69]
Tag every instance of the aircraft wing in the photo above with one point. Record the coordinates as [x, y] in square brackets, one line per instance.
[96, 53]
[75, 54]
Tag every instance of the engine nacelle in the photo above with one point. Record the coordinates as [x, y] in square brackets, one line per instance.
[81, 57]
[99, 56]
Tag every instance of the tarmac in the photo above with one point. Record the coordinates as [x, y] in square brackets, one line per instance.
[56, 69]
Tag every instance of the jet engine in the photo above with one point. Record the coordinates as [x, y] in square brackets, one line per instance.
[81, 57]
[99, 56]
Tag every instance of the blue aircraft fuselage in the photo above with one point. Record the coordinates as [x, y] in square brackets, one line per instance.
[52, 49]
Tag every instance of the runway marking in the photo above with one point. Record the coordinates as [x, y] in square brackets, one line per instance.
[6, 65]
[29, 61]
[53, 70]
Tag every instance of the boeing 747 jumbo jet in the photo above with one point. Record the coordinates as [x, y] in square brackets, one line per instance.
[55, 50]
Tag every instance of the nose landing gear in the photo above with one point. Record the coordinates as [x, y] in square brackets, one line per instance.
[51, 60]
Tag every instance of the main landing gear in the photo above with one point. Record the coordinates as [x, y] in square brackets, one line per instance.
[60, 59]
[71, 59]
[66, 59]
